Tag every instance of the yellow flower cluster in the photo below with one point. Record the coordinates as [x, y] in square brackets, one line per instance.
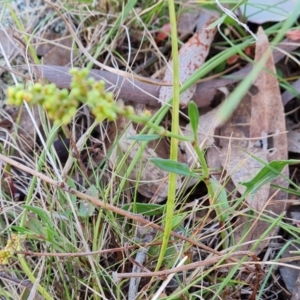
[12, 245]
[61, 105]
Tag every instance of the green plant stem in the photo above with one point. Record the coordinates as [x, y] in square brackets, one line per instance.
[172, 186]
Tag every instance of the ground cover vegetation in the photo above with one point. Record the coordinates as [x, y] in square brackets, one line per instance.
[149, 149]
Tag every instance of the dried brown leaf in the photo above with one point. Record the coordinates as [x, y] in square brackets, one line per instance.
[267, 113]
[57, 51]
[187, 21]
[237, 128]
[191, 56]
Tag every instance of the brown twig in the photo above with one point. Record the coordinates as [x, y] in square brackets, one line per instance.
[132, 89]
[190, 266]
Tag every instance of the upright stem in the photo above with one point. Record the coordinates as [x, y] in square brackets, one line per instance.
[174, 141]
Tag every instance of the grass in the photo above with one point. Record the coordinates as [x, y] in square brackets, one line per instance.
[81, 225]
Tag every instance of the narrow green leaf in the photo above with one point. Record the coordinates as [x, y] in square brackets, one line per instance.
[174, 167]
[41, 213]
[266, 175]
[144, 137]
[22, 230]
[194, 117]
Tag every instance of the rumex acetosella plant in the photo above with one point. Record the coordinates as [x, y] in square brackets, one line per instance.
[61, 104]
